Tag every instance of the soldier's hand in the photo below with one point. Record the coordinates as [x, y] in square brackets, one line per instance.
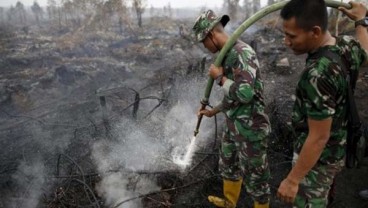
[206, 112]
[357, 12]
[287, 191]
[215, 71]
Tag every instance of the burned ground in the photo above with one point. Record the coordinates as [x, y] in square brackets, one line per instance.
[91, 119]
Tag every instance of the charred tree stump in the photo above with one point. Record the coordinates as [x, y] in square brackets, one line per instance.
[136, 105]
[105, 119]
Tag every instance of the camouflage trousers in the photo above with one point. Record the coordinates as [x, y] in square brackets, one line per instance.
[314, 188]
[245, 157]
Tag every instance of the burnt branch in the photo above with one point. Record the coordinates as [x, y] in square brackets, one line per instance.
[87, 189]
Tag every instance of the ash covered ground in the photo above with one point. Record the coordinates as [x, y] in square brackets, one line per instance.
[92, 115]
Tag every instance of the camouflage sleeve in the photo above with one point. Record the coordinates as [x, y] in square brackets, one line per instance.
[318, 95]
[360, 55]
[356, 54]
[244, 69]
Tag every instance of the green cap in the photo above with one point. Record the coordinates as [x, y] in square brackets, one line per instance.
[205, 23]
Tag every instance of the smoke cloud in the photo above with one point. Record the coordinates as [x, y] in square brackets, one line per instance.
[30, 181]
[150, 146]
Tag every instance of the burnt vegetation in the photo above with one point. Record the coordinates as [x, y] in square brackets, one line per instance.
[95, 96]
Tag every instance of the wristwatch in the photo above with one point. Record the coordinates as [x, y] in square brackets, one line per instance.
[363, 22]
[219, 79]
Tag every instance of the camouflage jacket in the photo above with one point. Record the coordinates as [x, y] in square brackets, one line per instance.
[243, 102]
[321, 93]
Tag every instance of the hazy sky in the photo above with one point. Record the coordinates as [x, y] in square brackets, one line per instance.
[155, 3]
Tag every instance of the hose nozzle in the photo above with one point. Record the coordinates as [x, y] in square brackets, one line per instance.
[196, 132]
[204, 103]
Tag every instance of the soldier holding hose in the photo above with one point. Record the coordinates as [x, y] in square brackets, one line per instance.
[243, 145]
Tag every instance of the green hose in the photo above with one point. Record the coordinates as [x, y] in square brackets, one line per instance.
[230, 42]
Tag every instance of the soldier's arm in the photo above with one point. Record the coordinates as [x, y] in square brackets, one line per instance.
[362, 36]
[357, 12]
[319, 133]
[241, 88]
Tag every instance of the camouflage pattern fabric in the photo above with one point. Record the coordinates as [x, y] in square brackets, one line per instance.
[314, 188]
[320, 94]
[244, 144]
[206, 22]
[243, 102]
[247, 159]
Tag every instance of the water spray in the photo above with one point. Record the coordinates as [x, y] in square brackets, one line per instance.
[230, 42]
[186, 159]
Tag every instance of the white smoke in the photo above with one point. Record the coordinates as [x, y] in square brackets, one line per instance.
[30, 182]
[30, 177]
[150, 147]
[114, 187]
[117, 161]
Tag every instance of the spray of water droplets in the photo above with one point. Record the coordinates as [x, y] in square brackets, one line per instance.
[184, 160]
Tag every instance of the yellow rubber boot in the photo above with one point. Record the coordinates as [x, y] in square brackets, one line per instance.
[258, 205]
[231, 194]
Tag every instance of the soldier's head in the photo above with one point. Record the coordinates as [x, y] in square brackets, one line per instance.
[304, 24]
[207, 27]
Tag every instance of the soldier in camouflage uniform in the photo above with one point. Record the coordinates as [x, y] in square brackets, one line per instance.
[243, 146]
[319, 113]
